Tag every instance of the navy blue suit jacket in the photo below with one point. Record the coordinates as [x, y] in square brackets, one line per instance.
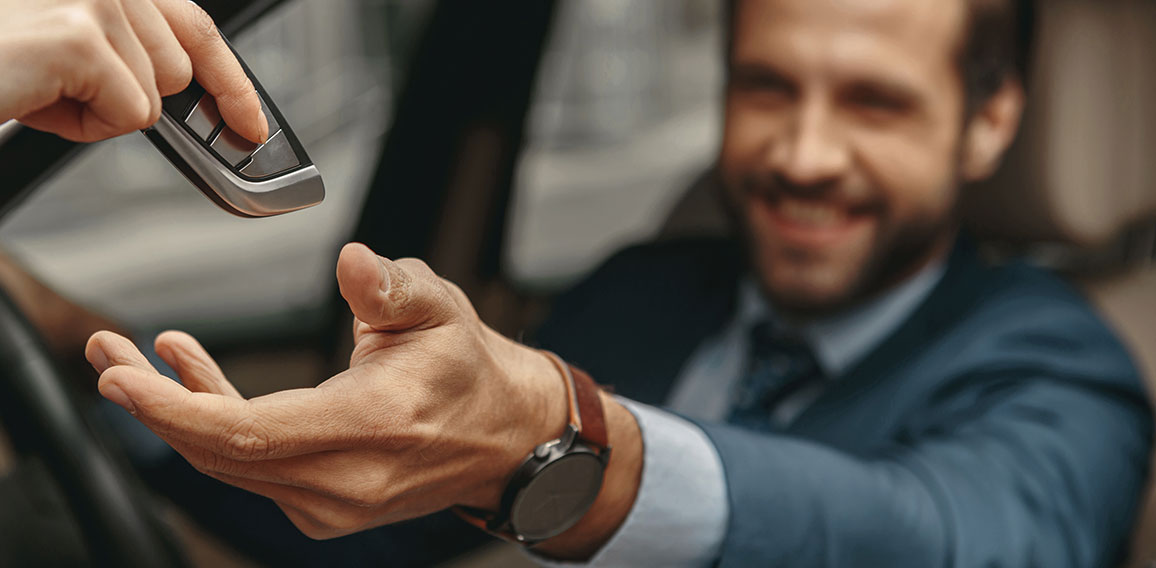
[1001, 425]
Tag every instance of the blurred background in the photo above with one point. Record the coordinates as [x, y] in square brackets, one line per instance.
[588, 125]
[624, 111]
[122, 231]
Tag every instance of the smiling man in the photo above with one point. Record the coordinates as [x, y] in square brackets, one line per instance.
[853, 385]
[848, 133]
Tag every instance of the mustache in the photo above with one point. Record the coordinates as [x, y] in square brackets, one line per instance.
[775, 187]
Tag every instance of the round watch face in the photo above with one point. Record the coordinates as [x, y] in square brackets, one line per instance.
[557, 496]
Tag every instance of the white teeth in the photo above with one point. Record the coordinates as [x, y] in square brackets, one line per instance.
[810, 213]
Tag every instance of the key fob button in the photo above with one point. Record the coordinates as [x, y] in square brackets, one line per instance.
[243, 178]
[177, 106]
[273, 126]
[274, 157]
[204, 118]
[232, 146]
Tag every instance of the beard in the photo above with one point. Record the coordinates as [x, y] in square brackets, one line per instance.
[898, 248]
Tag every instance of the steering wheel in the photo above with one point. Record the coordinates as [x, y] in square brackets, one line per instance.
[117, 522]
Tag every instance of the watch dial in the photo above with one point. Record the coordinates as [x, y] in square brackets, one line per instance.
[557, 496]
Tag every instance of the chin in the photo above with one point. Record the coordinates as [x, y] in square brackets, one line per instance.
[807, 295]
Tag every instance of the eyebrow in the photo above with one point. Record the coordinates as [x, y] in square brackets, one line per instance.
[884, 86]
[756, 69]
[888, 86]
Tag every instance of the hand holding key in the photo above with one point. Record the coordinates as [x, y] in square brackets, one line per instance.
[93, 69]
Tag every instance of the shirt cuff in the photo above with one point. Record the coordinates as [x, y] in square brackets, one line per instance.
[680, 514]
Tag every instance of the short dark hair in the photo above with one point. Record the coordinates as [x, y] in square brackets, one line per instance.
[997, 45]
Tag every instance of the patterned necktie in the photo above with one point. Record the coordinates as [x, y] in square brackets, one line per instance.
[779, 365]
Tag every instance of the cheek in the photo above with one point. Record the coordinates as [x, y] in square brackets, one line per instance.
[916, 175]
[745, 142]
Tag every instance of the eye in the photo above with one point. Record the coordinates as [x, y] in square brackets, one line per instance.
[761, 85]
[879, 101]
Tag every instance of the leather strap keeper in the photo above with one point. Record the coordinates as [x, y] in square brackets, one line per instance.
[586, 413]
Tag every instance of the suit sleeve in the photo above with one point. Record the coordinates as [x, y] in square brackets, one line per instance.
[1045, 473]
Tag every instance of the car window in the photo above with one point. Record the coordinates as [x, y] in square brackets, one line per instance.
[626, 113]
[121, 230]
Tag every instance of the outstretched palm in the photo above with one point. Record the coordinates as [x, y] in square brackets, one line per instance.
[428, 415]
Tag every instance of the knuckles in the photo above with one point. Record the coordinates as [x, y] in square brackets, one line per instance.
[401, 280]
[246, 440]
[79, 41]
[84, 23]
[460, 299]
[447, 297]
[174, 76]
[415, 265]
[151, 117]
[202, 25]
[81, 30]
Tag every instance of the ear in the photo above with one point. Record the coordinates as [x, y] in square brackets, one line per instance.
[991, 130]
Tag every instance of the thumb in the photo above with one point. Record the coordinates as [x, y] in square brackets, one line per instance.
[393, 295]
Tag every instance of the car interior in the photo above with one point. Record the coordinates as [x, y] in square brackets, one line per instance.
[497, 135]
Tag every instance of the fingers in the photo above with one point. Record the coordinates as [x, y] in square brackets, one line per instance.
[171, 65]
[123, 38]
[104, 66]
[216, 68]
[213, 416]
[101, 97]
[216, 418]
[393, 296]
[106, 349]
[196, 368]
[280, 425]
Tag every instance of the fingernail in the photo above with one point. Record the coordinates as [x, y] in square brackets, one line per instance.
[99, 360]
[264, 128]
[116, 395]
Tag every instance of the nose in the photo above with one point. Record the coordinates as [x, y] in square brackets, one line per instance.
[811, 151]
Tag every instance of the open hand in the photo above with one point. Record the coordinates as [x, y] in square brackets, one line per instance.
[435, 410]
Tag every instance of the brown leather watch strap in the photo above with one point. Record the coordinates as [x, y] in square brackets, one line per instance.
[588, 422]
[586, 414]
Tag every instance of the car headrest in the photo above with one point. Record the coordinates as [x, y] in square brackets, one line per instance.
[1084, 166]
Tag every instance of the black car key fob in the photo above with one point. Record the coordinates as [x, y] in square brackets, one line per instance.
[242, 177]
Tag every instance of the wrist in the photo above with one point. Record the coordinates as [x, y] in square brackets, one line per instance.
[571, 483]
[549, 406]
[616, 498]
[534, 409]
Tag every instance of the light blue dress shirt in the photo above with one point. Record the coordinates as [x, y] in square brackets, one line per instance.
[680, 515]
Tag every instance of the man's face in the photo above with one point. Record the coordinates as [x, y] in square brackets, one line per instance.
[843, 126]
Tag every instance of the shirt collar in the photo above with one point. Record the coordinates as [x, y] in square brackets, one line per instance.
[844, 339]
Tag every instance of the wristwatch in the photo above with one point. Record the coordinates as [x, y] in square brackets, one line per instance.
[559, 481]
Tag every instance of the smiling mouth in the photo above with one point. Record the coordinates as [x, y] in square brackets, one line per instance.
[810, 213]
[809, 222]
